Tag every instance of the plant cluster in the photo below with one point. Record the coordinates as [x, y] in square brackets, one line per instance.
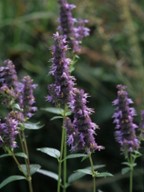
[69, 104]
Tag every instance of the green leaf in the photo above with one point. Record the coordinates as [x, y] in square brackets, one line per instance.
[5, 155]
[75, 176]
[129, 164]
[57, 111]
[50, 151]
[33, 126]
[77, 155]
[84, 158]
[48, 173]
[98, 166]
[126, 163]
[16, 106]
[125, 170]
[136, 154]
[33, 168]
[103, 174]
[56, 117]
[85, 171]
[54, 110]
[21, 154]
[11, 179]
[95, 167]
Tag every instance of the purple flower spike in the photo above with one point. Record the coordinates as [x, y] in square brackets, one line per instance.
[73, 134]
[8, 132]
[82, 130]
[123, 118]
[61, 91]
[26, 98]
[8, 80]
[73, 29]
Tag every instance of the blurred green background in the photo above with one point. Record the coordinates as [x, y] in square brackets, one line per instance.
[112, 54]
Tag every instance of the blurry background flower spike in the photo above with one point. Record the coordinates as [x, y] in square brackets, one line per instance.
[8, 80]
[27, 99]
[74, 29]
[123, 118]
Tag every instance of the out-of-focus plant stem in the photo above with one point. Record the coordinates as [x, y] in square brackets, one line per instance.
[27, 161]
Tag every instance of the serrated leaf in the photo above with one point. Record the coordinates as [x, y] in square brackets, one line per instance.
[77, 155]
[33, 126]
[103, 174]
[125, 170]
[33, 168]
[48, 173]
[50, 151]
[75, 176]
[11, 179]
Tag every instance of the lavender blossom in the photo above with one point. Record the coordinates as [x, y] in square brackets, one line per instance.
[61, 91]
[8, 81]
[73, 29]
[123, 118]
[82, 130]
[26, 98]
[8, 132]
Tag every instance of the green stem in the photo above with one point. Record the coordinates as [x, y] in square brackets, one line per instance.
[27, 162]
[60, 159]
[16, 160]
[65, 164]
[93, 172]
[131, 174]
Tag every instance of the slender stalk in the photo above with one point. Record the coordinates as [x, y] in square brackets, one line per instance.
[61, 159]
[93, 172]
[65, 164]
[131, 181]
[131, 174]
[27, 162]
[16, 160]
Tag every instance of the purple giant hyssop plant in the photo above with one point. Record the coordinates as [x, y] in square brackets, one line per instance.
[78, 131]
[125, 132]
[124, 119]
[73, 29]
[82, 130]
